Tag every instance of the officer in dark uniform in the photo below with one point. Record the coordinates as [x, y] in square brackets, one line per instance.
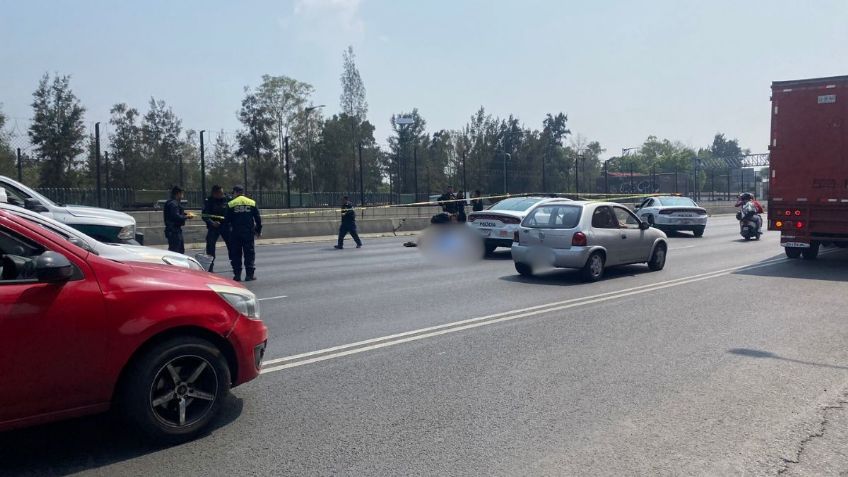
[214, 208]
[175, 217]
[476, 201]
[348, 224]
[448, 202]
[243, 223]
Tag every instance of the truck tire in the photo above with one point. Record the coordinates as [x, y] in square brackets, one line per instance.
[792, 252]
[812, 252]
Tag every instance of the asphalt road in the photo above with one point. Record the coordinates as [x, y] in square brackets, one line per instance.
[730, 361]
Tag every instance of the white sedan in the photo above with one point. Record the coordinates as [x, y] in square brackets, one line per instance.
[673, 214]
[116, 252]
[498, 223]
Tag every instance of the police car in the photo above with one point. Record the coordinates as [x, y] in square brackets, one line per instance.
[498, 223]
[673, 214]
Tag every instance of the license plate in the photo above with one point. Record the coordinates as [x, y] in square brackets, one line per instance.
[795, 244]
[485, 232]
[504, 233]
[687, 222]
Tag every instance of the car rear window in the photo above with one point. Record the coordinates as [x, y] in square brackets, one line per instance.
[515, 203]
[677, 202]
[554, 216]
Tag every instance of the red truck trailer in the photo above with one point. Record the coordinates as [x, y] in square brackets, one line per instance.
[808, 187]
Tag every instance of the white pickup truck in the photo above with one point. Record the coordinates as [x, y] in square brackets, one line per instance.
[105, 225]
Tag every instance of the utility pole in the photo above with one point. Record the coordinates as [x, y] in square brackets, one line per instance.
[361, 178]
[544, 172]
[20, 167]
[97, 162]
[245, 171]
[415, 166]
[464, 184]
[108, 180]
[606, 178]
[505, 173]
[180, 159]
[288, 175]
[576, 178]
[202, 166]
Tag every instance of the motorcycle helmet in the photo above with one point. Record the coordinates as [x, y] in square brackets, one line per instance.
[743, 198]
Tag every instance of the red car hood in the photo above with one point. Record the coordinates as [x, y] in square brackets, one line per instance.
[177, 277]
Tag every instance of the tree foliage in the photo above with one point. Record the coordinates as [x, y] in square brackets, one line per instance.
[57, 131]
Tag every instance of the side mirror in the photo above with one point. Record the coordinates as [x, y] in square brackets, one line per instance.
[52, 267]
[644, 226]
[34, 205]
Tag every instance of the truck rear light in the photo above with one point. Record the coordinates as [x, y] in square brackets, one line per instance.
[799, 225]
[579, 240]
[788, 213]
[778, 224]
[797, 213]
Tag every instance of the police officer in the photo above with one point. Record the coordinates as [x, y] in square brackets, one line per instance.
[448, 201]
[175, 217]
[477, 201]
[348, 224]
[214, 208]
[244, 224]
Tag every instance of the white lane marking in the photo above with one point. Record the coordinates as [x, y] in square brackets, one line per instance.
[272, 298]
[681, 248]
[391, 340]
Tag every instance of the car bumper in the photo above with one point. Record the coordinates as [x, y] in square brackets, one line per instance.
[679, 224]
[501, 234]
[574, 257]
[248, 338]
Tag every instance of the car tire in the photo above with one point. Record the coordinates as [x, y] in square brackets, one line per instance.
[594, 268]
[792, 252]
[657, 261]
[524, 269]
[810, 253]
[698, 232]
[490, 249]
[175, 389]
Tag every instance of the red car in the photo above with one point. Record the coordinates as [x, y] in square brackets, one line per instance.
[80, 334]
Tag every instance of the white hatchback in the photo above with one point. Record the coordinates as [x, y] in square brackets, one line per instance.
[498, 223]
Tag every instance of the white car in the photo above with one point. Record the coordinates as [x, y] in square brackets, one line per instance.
[673, 214]
[116, 252]
[105, 225]
[498, 223]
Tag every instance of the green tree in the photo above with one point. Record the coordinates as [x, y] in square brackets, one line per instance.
[126, 165]
[284, 98]
[57, 131]
[8, 166]
[161, 144]
[225, 168]
[403, 145]
[354, 110]
[256, 141]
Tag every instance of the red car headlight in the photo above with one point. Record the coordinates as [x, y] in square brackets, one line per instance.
[243, 301]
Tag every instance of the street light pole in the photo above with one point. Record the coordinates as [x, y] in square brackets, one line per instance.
[361, 178]
[97, 159]
[202, 165]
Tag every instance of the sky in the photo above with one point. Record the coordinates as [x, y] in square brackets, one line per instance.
[621, 70]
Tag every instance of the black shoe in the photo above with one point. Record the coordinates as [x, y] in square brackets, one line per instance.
[338, 247]
[249, 278]
[236, 278]
[359, 245]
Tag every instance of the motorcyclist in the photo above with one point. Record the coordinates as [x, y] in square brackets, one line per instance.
[750, 209]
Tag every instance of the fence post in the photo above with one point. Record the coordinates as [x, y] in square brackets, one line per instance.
[675, 181]
[362, 178]
[712, 185]
[288, 176]
[729, 171]
[97, 161]
[576, 178]
[20, 167]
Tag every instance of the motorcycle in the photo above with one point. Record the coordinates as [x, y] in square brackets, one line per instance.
[749, 225]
